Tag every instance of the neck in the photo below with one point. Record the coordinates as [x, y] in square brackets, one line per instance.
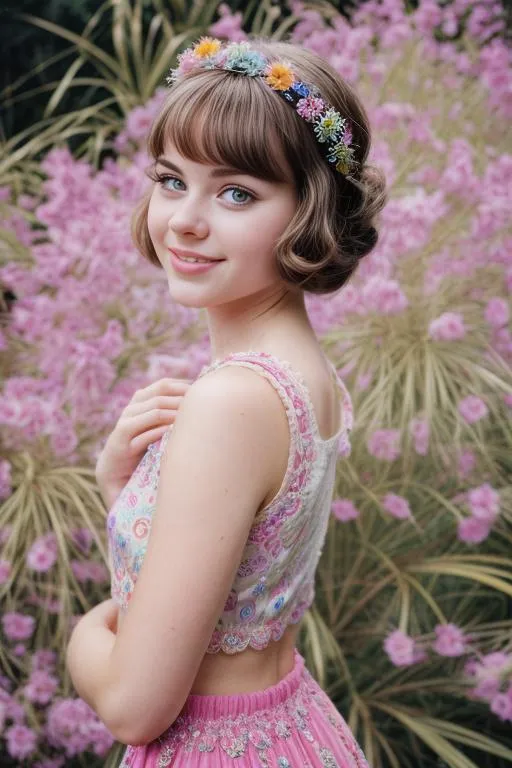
[262, 323]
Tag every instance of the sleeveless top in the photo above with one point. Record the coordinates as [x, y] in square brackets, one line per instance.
[274, 584]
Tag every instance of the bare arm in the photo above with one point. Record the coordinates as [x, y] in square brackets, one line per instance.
[217, 468]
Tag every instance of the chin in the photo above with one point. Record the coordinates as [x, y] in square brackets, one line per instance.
[190, 299]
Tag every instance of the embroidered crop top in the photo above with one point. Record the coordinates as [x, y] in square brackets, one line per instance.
[274, 584]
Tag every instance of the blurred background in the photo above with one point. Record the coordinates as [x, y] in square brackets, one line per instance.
[411, 629]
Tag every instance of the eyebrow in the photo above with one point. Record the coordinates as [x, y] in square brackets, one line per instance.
[216, 173]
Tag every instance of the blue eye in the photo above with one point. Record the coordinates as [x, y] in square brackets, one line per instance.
[238, 191]
[167, 182]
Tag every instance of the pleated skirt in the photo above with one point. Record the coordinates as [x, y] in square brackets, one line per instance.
[292, 724]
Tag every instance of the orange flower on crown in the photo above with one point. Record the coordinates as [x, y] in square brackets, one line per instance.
[279, 76]
[206, 47]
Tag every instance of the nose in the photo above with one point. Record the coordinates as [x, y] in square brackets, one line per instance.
[187, 219]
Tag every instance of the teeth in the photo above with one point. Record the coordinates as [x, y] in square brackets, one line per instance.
[193, 261]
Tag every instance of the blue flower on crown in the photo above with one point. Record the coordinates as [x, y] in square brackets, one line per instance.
[300, 88]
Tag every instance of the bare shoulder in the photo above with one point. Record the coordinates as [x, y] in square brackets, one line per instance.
[232, 416]
[233, 389]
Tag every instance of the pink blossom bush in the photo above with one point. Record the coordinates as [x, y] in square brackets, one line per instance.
[402, 649]
[491, 675]
[92, 322]
[450, 640]
[397, 506]
[73, 726]
[344, 510]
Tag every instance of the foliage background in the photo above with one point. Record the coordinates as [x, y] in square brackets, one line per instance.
[379, 572]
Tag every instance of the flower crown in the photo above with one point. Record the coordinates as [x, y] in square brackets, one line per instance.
[332, 131]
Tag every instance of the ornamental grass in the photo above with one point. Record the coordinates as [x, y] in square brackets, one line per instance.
[410, 632]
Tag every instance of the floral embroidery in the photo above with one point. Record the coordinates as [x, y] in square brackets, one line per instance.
[274, 584]
[258, 737]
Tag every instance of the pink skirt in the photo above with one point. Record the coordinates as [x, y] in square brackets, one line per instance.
[292, 724]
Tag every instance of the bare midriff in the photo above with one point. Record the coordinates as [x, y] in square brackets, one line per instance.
[223, 674]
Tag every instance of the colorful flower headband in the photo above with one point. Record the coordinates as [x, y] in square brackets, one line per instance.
[332, 131]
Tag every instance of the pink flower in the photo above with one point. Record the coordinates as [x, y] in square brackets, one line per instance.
[420, 431]
[486, 689]
[472, 408]
[138, 123]
[501, 705]
[43, 553]
[447, 327]
[5, 533]
[17, 626]
[488, 673]
[40, 687]
[229, 25]
[310, 107]
[344, 510]
[450, 640]
[484, 503]
[44, 659]
[466, 463]
[497, 312]
[5, 570]
[473, 530]
[50, 762]
[397, 506]
[187, 62]
[5, 479]
[83, 539]
[73, 726]
[384, 444]
[402, 650]
[21, 741]
[363, 381]
[90, 571]
[384, 296]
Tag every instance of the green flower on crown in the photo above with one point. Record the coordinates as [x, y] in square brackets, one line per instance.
[329, 126]
[342, 156]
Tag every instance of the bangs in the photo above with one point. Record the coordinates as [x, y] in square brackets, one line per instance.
[221, 118]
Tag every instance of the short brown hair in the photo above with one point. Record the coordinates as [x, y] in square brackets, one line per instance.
[218, 117]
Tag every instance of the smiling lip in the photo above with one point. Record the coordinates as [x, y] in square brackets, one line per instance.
[191, 254]
[188, 267]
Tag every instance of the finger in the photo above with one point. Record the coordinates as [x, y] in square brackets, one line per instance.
[131, 426]
[161, 402]
[141, 442]
[160, 387]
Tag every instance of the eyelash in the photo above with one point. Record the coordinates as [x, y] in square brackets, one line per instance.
[162, 178]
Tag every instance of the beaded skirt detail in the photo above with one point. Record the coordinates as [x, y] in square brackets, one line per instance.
[292, 724]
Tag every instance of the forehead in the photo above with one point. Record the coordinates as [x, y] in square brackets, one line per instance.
[175, 161]
[225, 123]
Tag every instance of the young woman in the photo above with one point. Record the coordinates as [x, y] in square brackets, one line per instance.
[220, 489]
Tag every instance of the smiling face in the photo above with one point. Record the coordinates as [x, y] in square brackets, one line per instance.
[219, 213]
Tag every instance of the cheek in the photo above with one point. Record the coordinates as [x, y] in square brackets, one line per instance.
[156, 219]
[275, 222]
